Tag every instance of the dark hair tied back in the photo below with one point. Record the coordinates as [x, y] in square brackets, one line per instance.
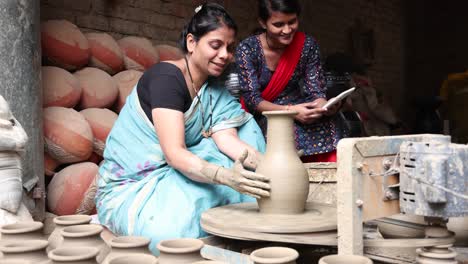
[265, 7]
[210, 17]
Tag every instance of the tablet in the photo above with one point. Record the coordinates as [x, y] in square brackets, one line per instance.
[338, 98]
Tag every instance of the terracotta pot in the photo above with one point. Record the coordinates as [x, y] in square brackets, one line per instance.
[50, 164]
[22, 231]
[68, 138]
[30, 250]
[67, 188]
[345, 259]
[126, 80]
[64, 45]
[85, 236]
[61, 222]
[126, 245]
[60, 88]
[74, 255]
[274, 255]
[134, 258]
[390, 230]
[99, 90]
[167, 52]
[101, 121]
[105, 52]
[289, 180]
[139, 53]
[178, 251]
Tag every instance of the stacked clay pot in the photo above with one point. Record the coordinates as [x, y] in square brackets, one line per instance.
[74, 255]
[167, 52]
[105, 53]
[274, 255]
[345, 259]
[32, 251]
[134, 258]
[179, 251]
[126, 81]
[139, 53]
[64, 45]
[86, 235]
[67, 188]
[61, 222]
[86, 79]
[22, 231]
[127, 246]
[101, 121]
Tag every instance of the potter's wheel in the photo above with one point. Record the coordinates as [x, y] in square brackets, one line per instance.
[246, 217]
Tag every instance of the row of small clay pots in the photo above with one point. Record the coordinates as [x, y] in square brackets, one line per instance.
[75, 231]
[34, 251]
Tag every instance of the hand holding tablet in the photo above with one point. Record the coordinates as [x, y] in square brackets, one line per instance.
[338, 98]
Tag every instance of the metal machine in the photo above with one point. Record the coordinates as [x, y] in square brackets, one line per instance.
[378, 177]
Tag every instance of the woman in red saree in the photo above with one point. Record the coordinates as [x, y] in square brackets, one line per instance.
[280, 69]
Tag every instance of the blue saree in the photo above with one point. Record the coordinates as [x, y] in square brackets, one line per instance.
[140, 194]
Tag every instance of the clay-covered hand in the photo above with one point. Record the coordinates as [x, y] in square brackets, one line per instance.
[252, 160]
[238, 178]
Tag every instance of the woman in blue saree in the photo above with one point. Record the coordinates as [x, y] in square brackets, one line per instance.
[181, 144]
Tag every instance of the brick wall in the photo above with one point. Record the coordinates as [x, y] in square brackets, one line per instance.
[160, 21]
[327, 20]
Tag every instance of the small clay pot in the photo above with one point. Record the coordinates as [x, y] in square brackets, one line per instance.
[17, 261]
[178, 251]
[85, 236]
[61, 222]
[459, 225]
[26, 250]
[209, 262]
[134, 258]
[126, 245]
[22, 231]
[74, 255]
[388, 230]
[345, 259]
[274, 255]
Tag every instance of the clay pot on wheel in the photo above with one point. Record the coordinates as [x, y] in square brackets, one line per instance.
[179, 251]
[394, 230]
[60, 223]
[74, 255]
[134, 258]
[22, 231]
[27, 250]
[289, 180]
[127, 245]
[274, 255]
[345, 259]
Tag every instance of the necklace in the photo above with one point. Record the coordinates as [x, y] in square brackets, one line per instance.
[205, 133]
